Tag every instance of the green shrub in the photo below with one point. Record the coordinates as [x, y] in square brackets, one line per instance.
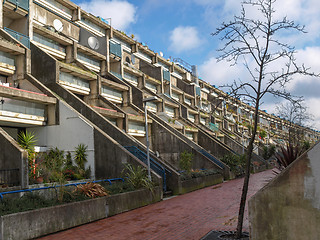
[236, 163]
[268, 151]
[137, 177]
[186, 159]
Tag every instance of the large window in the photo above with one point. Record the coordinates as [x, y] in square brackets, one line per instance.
[48, 42]
[7, 58]
[18, 106]
[131, 78]
[74, 83]
[111, 94]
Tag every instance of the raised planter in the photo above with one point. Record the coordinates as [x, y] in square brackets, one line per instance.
[39, 222]
[199, 182]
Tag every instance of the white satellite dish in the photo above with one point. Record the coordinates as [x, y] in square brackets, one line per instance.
[93, 43]
[57, 24]
[161, 54]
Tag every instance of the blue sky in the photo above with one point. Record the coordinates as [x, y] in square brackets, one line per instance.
[181, 29]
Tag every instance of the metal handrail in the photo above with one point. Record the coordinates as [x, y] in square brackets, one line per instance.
[66, 185]
[212, 158]
[157, 167]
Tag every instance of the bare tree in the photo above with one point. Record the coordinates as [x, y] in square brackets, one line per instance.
[297, 114]
[270, 63]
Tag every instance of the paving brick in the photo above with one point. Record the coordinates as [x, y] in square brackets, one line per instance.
[189, 216]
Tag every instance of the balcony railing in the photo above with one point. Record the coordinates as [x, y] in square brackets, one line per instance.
[115, 48]
[166, 75]
[19, 106]
[20, 3]
[19, 36]
[198, 91]
[214, 127]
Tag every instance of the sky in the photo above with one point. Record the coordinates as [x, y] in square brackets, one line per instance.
[182, 29]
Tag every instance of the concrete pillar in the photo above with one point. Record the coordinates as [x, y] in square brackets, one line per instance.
[20, 63]
[51, 114]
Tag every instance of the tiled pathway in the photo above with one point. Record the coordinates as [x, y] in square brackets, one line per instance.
[189, 216]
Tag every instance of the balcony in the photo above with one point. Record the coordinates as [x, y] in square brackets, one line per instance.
[214, 127]
[18, 111]
[25, 40]
[115, 49]
[7, 64]
[24, 4]
[166, 75]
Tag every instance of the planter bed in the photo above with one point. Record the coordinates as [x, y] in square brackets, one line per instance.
[43, 221]
[199, 182]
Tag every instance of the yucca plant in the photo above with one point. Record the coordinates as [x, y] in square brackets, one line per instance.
[287, 155]
[27, 140]
[137, 177]
[81, 155]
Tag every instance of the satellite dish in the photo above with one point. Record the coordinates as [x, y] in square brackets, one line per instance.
[57, 24]
[93, 43]
[133, 59]
[161, 54]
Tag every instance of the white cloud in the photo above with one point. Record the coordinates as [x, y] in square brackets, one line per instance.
[184, 38]
[220, 73]
[122, 13]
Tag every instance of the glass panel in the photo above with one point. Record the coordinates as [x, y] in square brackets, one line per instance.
[115, 48]
[73, 80]
[19, 36]
[94, 26]
[18, 106]
[175, 96]
[187, 101]
[151, 86]
[111, 92]
[166, 75]
[130, 77]
[48, 42]
[60, 6]
[21, 3]
[7, 58]
[88, 59]
[191, 117]
[170, 111]
[136, 126]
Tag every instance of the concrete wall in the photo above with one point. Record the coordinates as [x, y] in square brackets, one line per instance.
[152, 71]
[72, 131]
[212, 145]
[289, 206]
[170, 146]
[13, 156]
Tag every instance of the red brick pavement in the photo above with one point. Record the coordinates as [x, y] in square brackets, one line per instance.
[189, 216]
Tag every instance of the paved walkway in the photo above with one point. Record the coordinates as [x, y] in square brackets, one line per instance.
[189, 216]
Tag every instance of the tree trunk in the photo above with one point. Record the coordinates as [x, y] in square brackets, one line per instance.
[247, 175]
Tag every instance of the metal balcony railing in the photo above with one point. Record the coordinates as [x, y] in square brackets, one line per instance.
[25, 40]
[154, 165]
[20, 3]
[166, 75]
[115, 48]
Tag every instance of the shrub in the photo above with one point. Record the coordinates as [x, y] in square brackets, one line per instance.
[137, 177]
[186, 159]
[268, 151]
[287, 155]
[236, 163]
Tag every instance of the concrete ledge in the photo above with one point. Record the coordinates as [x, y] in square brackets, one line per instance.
[39, 222]
[127, 201]
[35, 223]
[199, 182]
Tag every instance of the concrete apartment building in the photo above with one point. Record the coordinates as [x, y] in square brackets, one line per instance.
[71, 78]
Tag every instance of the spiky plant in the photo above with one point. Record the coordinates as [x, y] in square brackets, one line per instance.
[27, 140]
[288, 155]
[81, 155]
